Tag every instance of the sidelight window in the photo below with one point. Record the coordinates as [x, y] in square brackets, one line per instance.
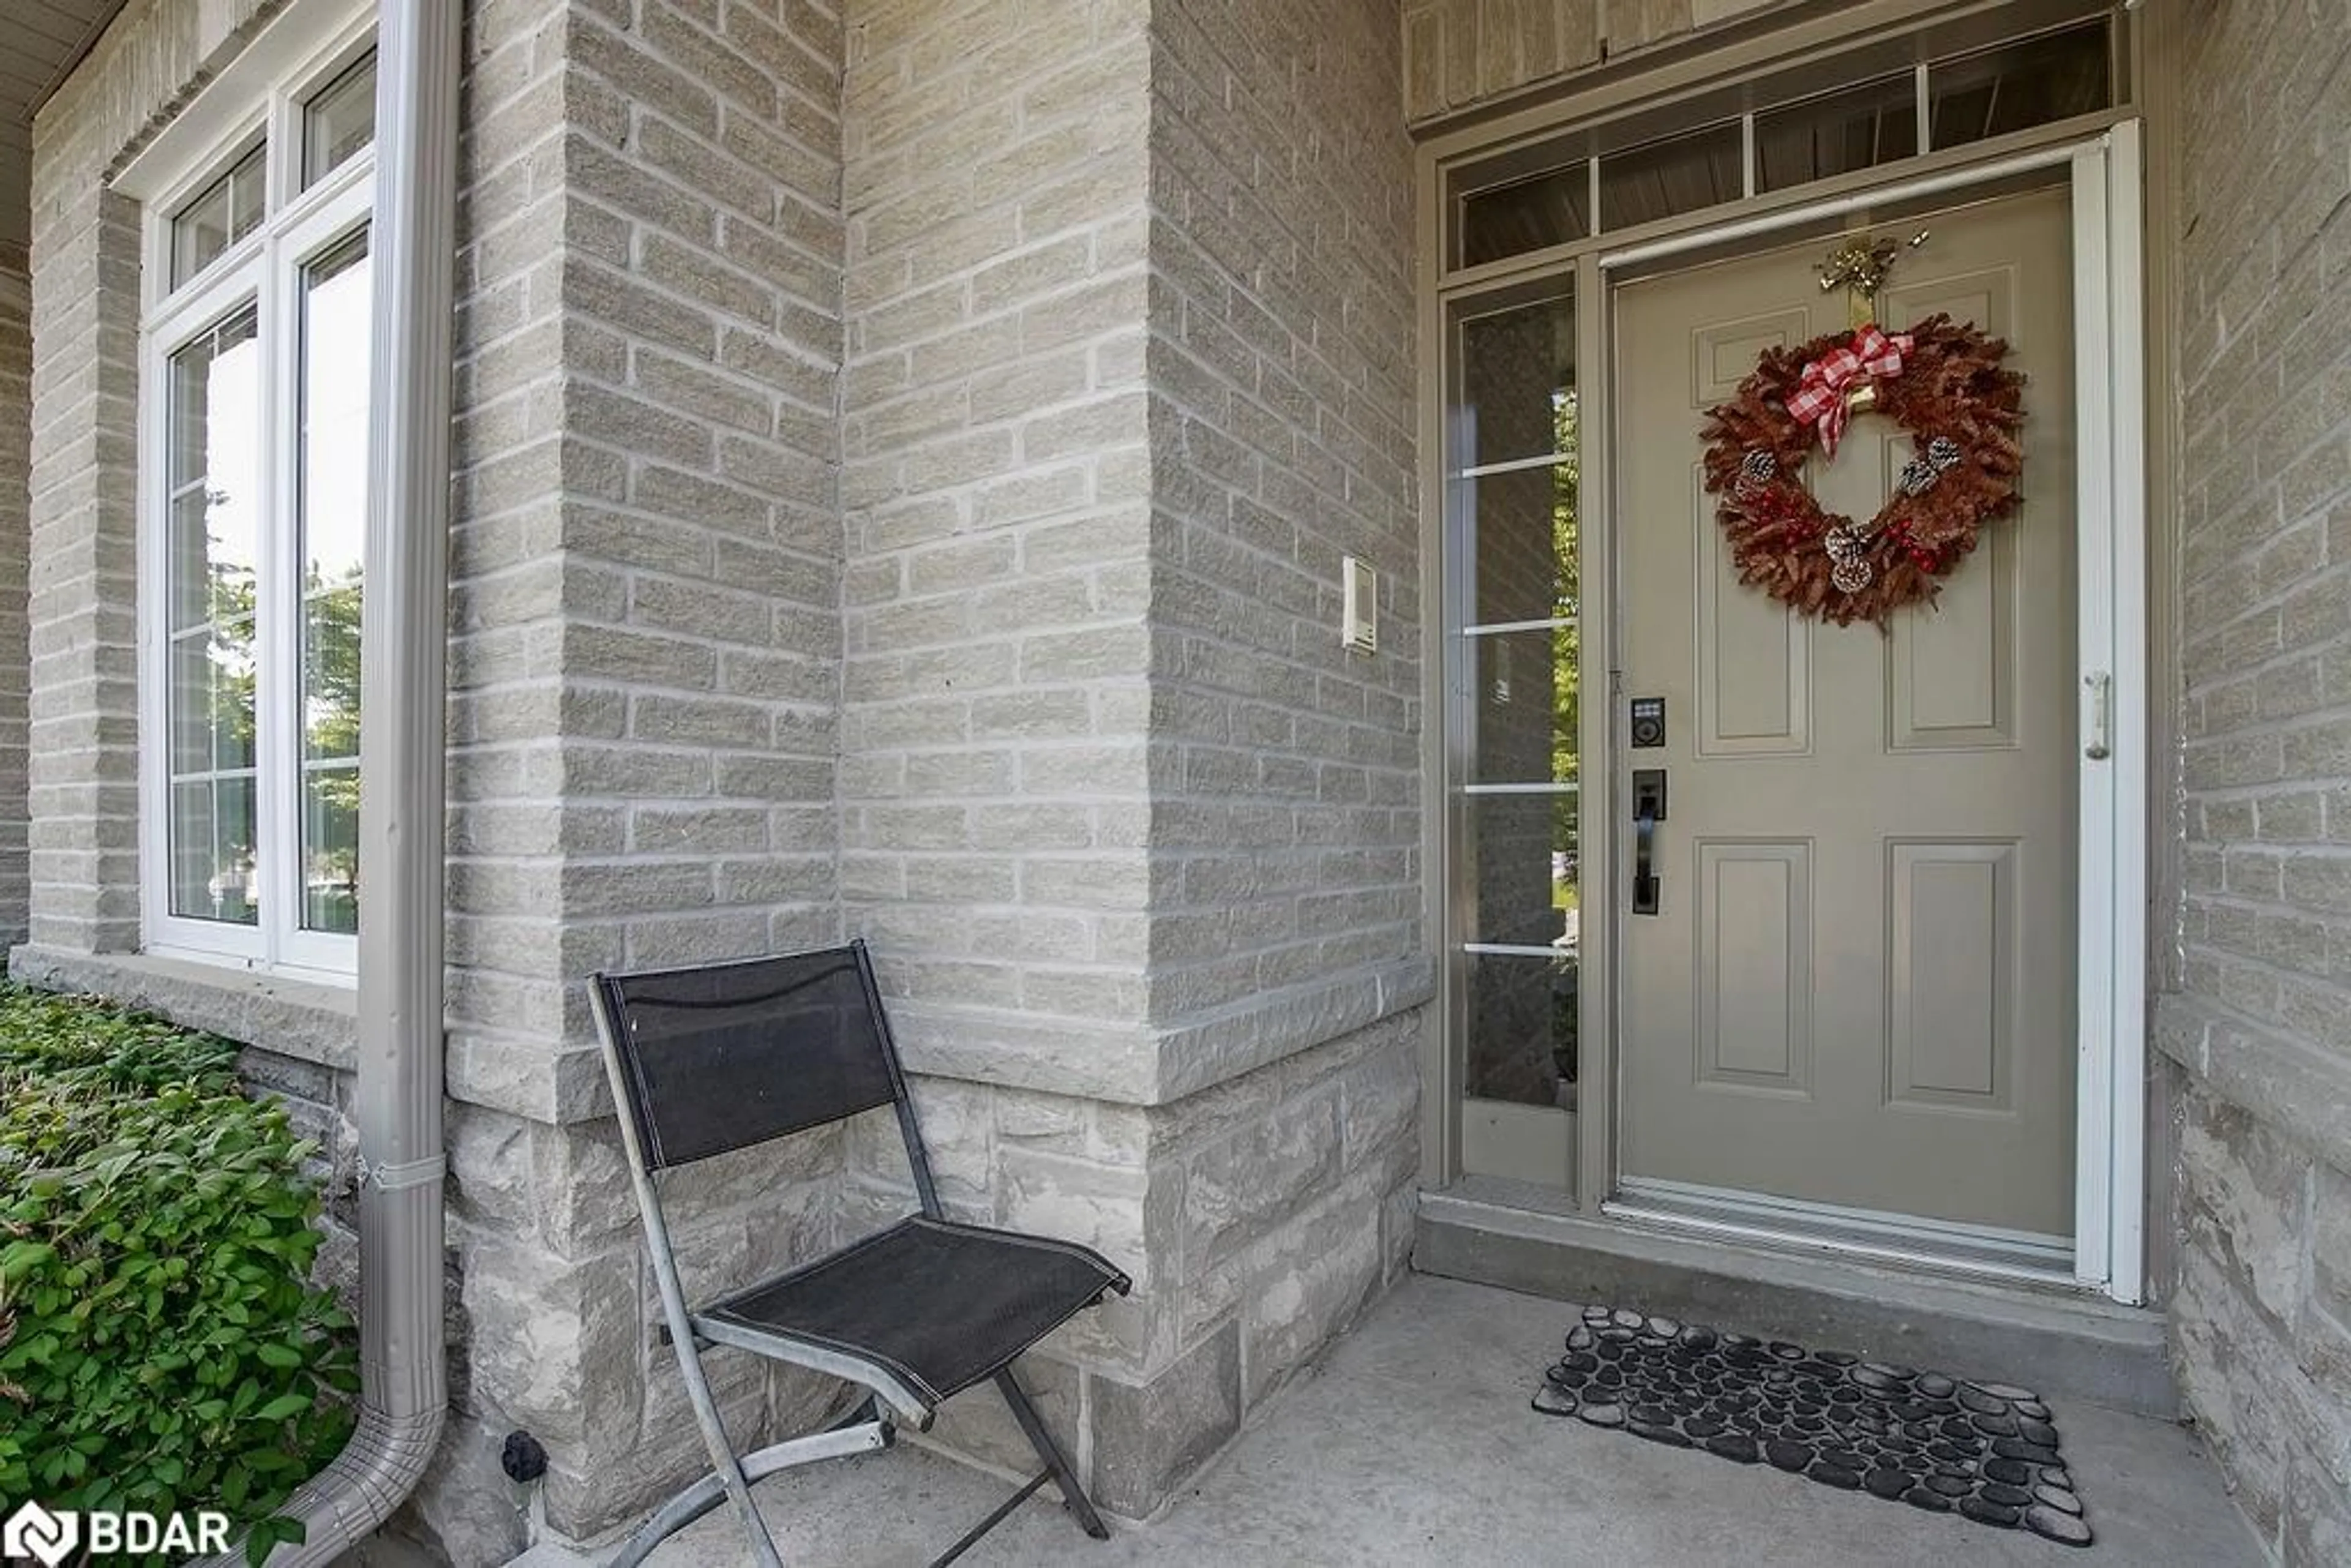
[1515, 547]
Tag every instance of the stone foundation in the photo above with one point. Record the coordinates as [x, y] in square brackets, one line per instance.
[1258, 1219]
[16, 530]
[2260, 1321]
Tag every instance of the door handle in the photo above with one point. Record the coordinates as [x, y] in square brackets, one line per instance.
[2098, 716]
[1648, 811]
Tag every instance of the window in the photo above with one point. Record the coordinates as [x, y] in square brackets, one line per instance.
[1872, 104]
[254, 466]
[1515, 648]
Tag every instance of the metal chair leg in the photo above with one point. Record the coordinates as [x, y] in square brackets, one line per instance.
[708, 1494]
[728, 1469]
[1050, 1451]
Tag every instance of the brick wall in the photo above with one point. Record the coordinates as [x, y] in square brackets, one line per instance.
[1460, 54]
[995, 694]
[646, 565]
[644, 670]
[2258, 1045]
[16, 503]
[82, 707]
[995, 489]
[1286, 871]
[1286, 844]
[1128, 369]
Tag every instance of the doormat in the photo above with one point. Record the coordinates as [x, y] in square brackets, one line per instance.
[1986, 1452]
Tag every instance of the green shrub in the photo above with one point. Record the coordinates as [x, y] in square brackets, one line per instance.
[160, 1344]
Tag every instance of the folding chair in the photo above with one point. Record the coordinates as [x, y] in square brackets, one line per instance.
[711, 1059]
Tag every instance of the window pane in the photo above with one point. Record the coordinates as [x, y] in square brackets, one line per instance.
[330, 849]
[1679, 174]
[2019, 86]
[333, 522]
[224, 213]
[1835, 134]
[213, 860]
[339, 121]
[1526, 704]
[1550, 209]
[1522, 1035]
[1522, 850]
[1514, 367]
[213, 475]
[212, 700]
[1519, 531]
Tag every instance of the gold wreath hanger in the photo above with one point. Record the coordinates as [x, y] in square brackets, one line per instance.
[1861, 268]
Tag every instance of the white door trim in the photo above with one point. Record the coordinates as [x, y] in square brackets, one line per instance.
[2110, 1180]
[2110, 367]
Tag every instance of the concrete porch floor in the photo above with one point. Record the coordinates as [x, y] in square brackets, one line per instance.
[1412, 1442]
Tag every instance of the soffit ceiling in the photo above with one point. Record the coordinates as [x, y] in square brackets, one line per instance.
[40, 41]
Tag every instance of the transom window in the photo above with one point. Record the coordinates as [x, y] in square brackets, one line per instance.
[1958, 85]
[254, 464]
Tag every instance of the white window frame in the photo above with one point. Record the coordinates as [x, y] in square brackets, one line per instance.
[263, 94]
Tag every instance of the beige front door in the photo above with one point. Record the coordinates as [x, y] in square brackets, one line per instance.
[1857, 992]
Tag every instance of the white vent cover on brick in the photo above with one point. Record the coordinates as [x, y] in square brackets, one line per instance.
[1359, 615]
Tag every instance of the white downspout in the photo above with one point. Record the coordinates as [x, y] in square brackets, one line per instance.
[403, 1379]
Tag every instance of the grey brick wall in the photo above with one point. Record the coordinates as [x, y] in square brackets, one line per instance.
[646, 566]
[1460, 54]
[82, 719]
[1123, 384]
[996, 696]
[645, 670]
[2257, 1042]
[15, 525]
[995, 486]
[1286, 844]
[1095, 495]
[1285, 853]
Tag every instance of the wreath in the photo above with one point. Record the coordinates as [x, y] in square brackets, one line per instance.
[1945, 383]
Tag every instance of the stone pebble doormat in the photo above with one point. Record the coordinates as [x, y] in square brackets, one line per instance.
[1983, 1450]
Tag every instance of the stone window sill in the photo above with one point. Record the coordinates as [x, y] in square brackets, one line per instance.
[305, 1020]
[312, 1021]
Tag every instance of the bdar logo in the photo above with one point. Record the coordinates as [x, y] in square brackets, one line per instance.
[33, 1531]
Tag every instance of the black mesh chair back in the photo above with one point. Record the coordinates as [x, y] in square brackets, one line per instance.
[725, 1056]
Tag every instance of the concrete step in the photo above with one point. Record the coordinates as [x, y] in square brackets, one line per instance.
[2065, 1343]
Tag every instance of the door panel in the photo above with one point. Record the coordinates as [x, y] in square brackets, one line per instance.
[1754, 659]
[1954, 1002]
[1754, 966]
[1952, 674]
[1858, 990]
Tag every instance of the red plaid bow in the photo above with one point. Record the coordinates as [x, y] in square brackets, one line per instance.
[1872, 354]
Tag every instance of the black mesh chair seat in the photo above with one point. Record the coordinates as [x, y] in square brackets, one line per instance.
[938, 1305]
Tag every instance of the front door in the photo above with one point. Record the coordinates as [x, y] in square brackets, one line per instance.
[1857, 997]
